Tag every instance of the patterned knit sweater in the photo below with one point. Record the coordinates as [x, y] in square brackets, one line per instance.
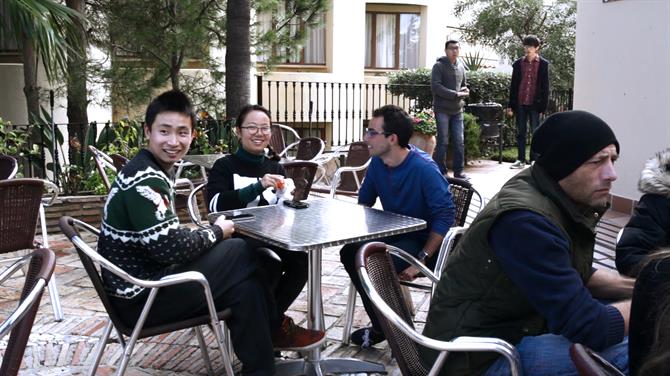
[140, 229]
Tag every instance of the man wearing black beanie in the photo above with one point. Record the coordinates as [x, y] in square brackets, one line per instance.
[523, 271]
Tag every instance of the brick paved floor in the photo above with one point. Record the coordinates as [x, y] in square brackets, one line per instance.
[65, 348]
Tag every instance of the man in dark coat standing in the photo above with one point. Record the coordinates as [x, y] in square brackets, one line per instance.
[528, 93]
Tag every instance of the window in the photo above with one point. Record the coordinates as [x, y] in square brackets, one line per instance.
[313, 49]
[392, 40]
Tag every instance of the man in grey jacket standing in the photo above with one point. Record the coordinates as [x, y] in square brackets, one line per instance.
[448, 84]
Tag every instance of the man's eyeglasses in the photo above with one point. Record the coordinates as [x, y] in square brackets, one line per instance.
[371, 133]
[256, 129]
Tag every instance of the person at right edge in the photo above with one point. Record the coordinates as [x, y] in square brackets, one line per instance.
[523, 271]
[528, 94]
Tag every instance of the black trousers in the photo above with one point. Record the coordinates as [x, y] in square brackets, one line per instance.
[407, 242]
[230, 269]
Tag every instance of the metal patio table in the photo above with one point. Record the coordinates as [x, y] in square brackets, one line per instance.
[325, 223]
[204, 160]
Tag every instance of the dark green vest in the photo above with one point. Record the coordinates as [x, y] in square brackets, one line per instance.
[476, 298]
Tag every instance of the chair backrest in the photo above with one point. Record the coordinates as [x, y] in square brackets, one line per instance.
[461, 194]
[8, 167]
[302, 173]
[588, 363]
[89, 258]
[102, 161]
[309, 148]
[376, 261]
[358, 154]
[20, 201]
[118, 161]
[20, 322]
[277, 139]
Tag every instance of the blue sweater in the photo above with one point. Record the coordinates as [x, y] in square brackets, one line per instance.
[415, 188]
[550, 282]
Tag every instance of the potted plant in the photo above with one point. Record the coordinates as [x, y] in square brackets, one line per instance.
[425, 129]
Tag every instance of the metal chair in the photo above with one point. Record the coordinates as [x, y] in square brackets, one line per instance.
[8, 167]
[277, 139]
[41, 263]
[462, 193]
[21, 206]
[103, 162]
[90, 258]
[380, 282]
[589, 363]
[347, 178]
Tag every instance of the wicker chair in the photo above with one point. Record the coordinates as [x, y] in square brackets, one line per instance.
[347, 178]
[8, 167]
[589, 363]
[20, 208]
[278, 140]
[41, 263]
[92, 261]
[380, 282]
[462, 193]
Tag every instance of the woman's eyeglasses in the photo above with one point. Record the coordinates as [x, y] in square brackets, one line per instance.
[255, 129]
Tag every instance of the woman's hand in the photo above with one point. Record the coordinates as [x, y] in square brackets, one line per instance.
[227, 226]
[271, 180]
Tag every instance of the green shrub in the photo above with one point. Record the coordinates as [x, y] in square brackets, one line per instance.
[413, 84]
[488, 87]
[471, 133]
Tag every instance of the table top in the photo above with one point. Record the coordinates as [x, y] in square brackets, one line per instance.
[205, 160]
[326, 222]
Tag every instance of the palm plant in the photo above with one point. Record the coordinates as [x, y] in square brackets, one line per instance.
[44, 30]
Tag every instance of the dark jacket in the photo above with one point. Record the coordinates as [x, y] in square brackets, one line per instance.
[446, 80]
[541, 91]
[649, 227]
[475, 296]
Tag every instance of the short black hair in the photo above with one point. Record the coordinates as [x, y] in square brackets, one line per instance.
[396, 121]
[170, 101]
[248, 109]
[531, 40]
[450, 41]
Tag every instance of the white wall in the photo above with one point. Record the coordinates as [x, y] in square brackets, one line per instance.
[622, 75]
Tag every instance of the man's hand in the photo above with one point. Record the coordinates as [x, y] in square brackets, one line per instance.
[464, 92]
[271, 180]
[227, 226]
[607, 284]
[409, 274]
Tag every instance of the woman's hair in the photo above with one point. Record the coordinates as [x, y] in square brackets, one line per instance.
[657, 361]
[248, 109]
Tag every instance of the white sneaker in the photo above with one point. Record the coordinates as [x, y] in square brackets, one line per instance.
[517, 165]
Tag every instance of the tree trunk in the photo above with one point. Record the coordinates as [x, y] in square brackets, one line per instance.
[32, 93]
[238, 56]
[175, 67]
[77, 100]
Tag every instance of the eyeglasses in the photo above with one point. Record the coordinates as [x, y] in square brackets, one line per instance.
[371, 133]
[255, 129]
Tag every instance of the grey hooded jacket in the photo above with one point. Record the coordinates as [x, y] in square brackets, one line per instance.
[446, 80]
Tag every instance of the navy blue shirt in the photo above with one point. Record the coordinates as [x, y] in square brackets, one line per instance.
[535, 254]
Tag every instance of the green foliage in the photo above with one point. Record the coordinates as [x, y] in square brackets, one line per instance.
[93, 182]
[413, 84]
[484, 86]
[123, 137]
[15, 143]
[424, 122]
[502, 24]
[471, 133]
[488, 87]
[473, 62]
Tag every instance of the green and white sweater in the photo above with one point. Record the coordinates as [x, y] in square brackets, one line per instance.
[140, 228]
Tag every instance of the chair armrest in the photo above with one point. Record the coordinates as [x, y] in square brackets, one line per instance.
[52, 190]
[337, 176]
[192, 210]
[412, 261]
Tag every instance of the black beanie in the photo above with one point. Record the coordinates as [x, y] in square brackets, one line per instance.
[565, 140]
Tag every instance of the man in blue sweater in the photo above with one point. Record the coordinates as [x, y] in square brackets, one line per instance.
[523, 270]
[407, 181]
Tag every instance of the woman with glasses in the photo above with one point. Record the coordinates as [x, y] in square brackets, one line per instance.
[250, 177]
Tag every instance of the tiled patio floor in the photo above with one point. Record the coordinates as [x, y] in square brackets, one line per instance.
[65, 348]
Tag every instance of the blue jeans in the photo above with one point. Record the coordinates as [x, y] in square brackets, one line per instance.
[549, 354]
[523, 114]
[449, 124]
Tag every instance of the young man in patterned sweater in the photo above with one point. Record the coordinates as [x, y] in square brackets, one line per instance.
[141, 234]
